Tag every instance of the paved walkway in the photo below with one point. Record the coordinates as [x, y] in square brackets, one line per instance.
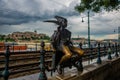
[36, 76]
[67, 70]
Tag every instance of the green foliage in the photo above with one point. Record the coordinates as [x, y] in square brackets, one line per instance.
[2, 37]
[47, 38]
[34, 38]
[75, 38]
[10, 40]
[98, 5]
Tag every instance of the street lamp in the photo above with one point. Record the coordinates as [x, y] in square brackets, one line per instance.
[88, 29]
[118, 34]
[82, 19]
[88, 14]
[89, 45]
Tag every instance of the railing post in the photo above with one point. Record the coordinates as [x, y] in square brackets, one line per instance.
[109, 52]
[80, 45]
[119, 49]
[105, 52]
[13, 47]
[116, 50]
[99, 58]
[6, 73]
[80, 60]
[91, 51]
[113, 49]
[36, 46]
[42, 75]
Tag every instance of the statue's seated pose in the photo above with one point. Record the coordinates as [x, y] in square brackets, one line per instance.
[61, 40]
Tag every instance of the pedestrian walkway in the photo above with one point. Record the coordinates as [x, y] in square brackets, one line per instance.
[68, 72]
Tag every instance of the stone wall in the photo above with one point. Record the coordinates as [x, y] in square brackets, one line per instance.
[108, 70]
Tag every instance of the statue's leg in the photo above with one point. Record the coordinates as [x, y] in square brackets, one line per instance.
[79, 51]
[78, 63]
[67, 53]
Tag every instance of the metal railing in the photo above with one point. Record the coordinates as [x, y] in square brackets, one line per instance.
[42, 58]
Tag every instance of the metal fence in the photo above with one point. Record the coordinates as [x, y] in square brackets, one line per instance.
[15, 62]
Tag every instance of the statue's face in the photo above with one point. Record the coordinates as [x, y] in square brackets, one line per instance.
[65, 25]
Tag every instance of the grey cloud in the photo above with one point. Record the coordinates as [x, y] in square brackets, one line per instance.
[27, 15]
[18, 12]
[41, 27]
[8, 17]
[100, 24]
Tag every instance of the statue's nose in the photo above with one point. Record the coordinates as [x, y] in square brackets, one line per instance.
[52, 21]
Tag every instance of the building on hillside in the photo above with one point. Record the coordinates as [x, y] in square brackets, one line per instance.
[25, 35]
[112, 41]
[84, 41]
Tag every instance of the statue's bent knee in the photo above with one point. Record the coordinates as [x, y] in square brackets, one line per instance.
[67, 51]
[79, 51]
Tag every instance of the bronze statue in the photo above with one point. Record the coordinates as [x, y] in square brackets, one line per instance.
[61, 41]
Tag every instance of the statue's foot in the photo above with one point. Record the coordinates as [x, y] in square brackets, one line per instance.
[48, 68]
[59, 69]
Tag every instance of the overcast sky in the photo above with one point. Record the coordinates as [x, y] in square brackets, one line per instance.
[28, 15]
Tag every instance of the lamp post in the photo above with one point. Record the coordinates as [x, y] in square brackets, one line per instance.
[88, 15]
[89, 45]
[88, 29]
[118, 34]
[42, 75]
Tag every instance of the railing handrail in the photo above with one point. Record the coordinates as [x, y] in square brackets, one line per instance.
[88, 52]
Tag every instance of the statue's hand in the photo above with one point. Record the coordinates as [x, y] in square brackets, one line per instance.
[54, 50]
[69, 43]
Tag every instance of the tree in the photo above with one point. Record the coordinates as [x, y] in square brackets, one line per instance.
[47, 37]
[9, 39]
[98, 5]
[2, 37]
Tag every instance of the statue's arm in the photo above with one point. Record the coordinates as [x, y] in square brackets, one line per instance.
[55, 39]
[70, 40]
